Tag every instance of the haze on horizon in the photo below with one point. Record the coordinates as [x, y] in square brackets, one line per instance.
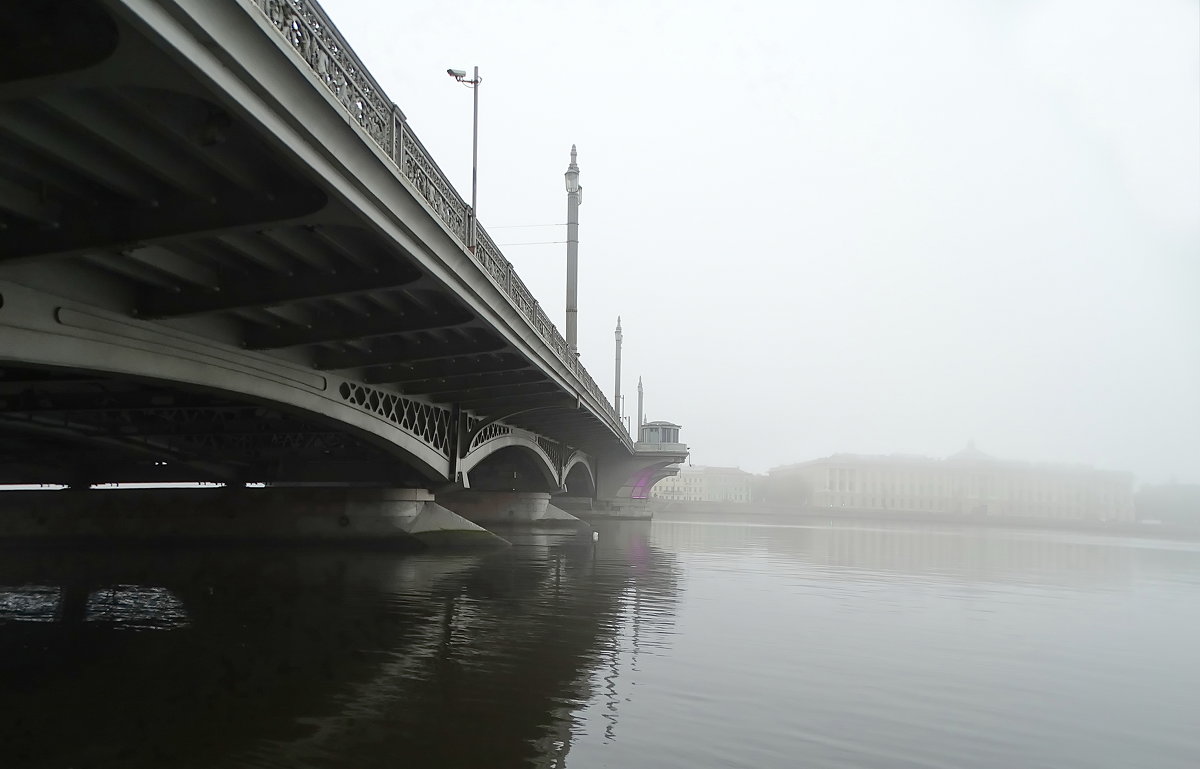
[846, 227]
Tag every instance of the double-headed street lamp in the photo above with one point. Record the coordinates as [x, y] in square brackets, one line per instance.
[473, 84]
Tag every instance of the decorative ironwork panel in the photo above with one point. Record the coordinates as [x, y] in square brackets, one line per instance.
[418, 167]
[323, 49]
[555, 450]
[494, 430]
[303, 24]
[489, 256]
[427, 423]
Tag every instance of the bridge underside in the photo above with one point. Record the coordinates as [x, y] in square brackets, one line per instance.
[211, 269]
[80, 429]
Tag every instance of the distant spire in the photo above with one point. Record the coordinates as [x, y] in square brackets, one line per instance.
[617, 384]
[641, 415]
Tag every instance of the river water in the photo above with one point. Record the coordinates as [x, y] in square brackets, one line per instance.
[670, 644]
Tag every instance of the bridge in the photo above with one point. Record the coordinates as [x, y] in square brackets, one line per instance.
[225, 256]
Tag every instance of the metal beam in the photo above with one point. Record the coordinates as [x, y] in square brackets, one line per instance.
[489, 406]
[140, 147]
[248, 252]
[470, 341]
[42, 136]
[399, 373]
[119, 225]
[472, 381]
[30, 205]
[90, 435]
[190, 122]
[281, 290]
[557, 419]
[335, 329]
[342, 240]
[316, 251]
[41, 399]
[492, 392]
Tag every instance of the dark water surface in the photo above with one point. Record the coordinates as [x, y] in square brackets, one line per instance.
[668, 645]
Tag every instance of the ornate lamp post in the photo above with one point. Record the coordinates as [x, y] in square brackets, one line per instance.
[574, 198]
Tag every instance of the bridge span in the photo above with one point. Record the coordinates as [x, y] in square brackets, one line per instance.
[225, 256]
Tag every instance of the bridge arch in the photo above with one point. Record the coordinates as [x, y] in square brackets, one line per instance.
[579, 476]
[520, 449]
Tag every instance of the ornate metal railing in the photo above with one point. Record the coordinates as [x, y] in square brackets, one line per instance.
[309, 31]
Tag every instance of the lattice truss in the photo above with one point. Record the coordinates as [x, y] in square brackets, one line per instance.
[482, 435]
[560, 454]
[428, 423]
[557, 452]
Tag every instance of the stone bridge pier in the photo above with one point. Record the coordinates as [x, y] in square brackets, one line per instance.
[519, 485]
[386, 517]
[512, 486]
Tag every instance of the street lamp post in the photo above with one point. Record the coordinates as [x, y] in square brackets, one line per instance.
[473, 84]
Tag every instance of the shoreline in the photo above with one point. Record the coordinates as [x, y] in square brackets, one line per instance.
[762, 514]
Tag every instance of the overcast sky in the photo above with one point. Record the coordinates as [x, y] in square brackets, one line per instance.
[870, 227]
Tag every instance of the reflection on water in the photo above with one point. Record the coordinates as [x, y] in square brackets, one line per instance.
[125, 607]
[956, 553]
[664, 645]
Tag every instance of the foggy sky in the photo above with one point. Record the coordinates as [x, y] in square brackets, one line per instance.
[868, 227]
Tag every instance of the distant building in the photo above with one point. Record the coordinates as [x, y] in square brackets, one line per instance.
[968, 483]
[705, 484]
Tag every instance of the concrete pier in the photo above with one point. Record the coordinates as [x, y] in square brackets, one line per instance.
[507, 507]
[588, 509]
[376, 516]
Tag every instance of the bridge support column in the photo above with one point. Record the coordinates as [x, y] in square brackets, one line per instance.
[588, 509]
[359, 516]
[507, 507]
[623, 484]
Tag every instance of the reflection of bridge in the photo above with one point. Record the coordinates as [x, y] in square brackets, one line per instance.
[225, 256]
[313, 658]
